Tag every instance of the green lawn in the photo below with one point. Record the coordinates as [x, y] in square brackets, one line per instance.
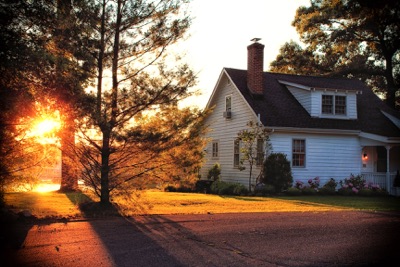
[49, 204]
[53, 204]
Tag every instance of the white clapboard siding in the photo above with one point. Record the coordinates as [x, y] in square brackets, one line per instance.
[225, 131]
[327, 156]
[303, 96]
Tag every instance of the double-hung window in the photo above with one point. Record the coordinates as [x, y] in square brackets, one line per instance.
[334, 104]
[215, 149]
[236, 153]
[340, 105]
[299, 153]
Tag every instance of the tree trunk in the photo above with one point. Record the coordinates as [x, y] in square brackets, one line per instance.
[107, 130]
[105, 160]
[391, 87]
[251, 170]
[69, 178]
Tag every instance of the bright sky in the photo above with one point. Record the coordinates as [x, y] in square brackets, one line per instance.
[222, 30]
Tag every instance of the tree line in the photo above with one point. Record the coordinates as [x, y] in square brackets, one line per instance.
[129, 127]
[105, 66]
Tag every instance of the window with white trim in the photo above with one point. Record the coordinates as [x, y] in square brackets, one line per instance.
[299, 153]
[333, 104]
[215, 149]
[236, 153]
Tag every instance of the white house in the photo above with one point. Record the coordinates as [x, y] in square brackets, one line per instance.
[327, 127]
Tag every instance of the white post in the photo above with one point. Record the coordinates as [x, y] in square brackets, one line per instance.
[388, 182]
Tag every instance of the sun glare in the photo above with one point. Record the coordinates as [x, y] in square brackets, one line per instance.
[46, 126]
[45, 188]
[44, 129]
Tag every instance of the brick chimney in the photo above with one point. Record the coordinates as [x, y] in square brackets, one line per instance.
[255, 65]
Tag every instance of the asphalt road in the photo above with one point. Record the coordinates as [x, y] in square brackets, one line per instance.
[255, 239]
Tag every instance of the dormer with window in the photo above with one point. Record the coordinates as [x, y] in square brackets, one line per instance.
[325, 102]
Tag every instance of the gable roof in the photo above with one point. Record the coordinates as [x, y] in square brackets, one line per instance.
[279, 108]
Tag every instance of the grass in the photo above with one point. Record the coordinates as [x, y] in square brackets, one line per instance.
[45, 205]
[55, 204]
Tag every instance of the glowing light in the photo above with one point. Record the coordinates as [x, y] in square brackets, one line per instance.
[45, 188]
[44, 129]
[46, 126]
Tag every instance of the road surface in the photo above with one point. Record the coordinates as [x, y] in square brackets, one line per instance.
[247, 239]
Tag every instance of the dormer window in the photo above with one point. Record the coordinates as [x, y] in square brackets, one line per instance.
[334, 104]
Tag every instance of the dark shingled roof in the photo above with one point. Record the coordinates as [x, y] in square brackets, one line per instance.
[279, 108]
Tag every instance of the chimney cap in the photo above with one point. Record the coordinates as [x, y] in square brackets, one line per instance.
[255, 39]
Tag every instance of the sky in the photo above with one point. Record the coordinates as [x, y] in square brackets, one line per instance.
[222, 29]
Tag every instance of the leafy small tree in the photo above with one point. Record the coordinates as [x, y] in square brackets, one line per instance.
[214, 173]
[254, 143]
[277, 172]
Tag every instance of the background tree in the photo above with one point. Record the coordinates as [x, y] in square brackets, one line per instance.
[72, 48]
[254, 144]
[354, 38]
[44, 59]
[133, 37]
[162, 148]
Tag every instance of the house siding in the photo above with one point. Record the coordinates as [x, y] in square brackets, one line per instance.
[225, 131]
[332, 151]
[303, 96]
[327, 156]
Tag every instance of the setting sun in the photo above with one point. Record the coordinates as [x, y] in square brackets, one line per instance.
[45, 188]
[44, 129]
[46, 126]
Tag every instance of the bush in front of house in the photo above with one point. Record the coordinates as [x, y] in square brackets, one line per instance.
[293, 191]
[329, 188]
[203, 186]
[178, 188]
[372, 189]
[214, 173]
[277, 172]
[262, 189]
[227, 188]
[308, 189]
[354, 182]
[356, 185]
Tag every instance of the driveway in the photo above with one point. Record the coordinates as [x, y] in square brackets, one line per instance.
[247, 239]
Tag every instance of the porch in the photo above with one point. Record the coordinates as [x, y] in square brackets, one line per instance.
[380, 179]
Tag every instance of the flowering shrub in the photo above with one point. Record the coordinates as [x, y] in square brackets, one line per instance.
[329, 188]
[358, 185]
[373, 187]
[299, 184]
[353, 185]
[314, 183]
[331, 184]
[309, 189]
[357, 182]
